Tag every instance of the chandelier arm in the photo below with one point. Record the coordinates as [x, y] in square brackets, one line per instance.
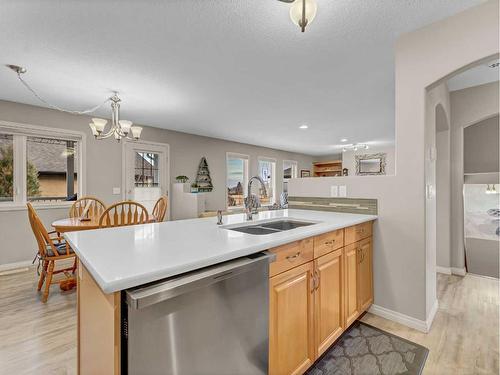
[87, 111]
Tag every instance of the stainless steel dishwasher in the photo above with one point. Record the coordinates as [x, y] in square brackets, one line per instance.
[211, 321]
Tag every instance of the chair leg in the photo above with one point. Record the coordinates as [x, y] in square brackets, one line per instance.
[74, 267]
[42, 275]
[48, 280]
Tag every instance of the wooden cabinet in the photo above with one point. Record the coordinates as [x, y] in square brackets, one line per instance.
[327, 168]
[291, 255]
[318, 287]
[365, 274]
[327, 242]
[291, 321]
[351, 284]
[358, 232]
[328, 300]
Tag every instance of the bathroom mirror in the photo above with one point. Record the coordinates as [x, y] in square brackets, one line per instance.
[370, 164]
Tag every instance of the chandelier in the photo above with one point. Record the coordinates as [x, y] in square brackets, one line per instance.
[120, 129]
[302, 12]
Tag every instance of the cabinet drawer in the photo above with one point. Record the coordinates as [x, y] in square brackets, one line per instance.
[358, 232]
[291, 255]
[327, 242]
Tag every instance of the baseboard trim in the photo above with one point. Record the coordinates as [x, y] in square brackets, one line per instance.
[419, 325]
[432, 314]
[444, 270]
[458, 271]
[14, 266]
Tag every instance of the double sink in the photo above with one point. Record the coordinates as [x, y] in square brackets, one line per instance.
[271, 227]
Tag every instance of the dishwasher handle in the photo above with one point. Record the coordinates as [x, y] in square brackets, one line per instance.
[162, 291]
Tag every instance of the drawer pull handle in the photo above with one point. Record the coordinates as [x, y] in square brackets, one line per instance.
[330, 242]
[292, 257]
[362, 230]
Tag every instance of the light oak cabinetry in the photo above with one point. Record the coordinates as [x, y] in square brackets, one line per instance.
[318, 288]
[351, 284]
[365, 277]
[291, 329]
[328, 300]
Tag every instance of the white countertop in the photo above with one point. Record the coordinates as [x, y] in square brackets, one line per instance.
[125, 257]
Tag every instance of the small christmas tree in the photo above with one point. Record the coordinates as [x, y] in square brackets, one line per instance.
[203, 179]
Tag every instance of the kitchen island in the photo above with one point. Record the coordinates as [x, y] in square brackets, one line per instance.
[335, 251]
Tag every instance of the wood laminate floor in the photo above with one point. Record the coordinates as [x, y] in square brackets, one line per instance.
[38, 338]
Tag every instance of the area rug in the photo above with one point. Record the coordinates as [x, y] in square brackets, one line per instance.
[366, 350]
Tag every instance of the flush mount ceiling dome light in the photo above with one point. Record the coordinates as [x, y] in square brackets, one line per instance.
[302, 12]
[120, 129]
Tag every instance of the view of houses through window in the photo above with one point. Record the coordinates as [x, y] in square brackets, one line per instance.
[236, 179]
[267, 171]
[51, 169]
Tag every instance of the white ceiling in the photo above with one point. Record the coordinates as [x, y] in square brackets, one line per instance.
[478, 75]
[232, 69]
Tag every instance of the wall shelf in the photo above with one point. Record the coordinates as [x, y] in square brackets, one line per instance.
[330, 168]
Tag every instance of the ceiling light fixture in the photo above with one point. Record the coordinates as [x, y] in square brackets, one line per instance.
[343, 140]
[120, 129]
[355, 147]
[302, 12]
[303, 126]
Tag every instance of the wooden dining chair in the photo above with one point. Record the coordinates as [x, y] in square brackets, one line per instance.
[160, 209]
[95, 207]
[51, 248]
[124, 213]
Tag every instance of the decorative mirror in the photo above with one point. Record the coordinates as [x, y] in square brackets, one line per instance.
[370, 164]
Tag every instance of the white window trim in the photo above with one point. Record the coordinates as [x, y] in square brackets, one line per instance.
[235, 155]
[295, 171]
[20, 132]
[273, 175]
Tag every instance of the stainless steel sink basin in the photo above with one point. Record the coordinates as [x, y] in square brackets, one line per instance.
[271, 227]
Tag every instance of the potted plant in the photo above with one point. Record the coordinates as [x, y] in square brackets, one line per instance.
[182, 179]
[194, 187]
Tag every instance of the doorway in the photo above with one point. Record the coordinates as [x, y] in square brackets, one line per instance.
[146, 173]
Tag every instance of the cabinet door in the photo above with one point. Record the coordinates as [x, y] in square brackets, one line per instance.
[365, 275]
[351, 284]
[291, 321]
[328, 299]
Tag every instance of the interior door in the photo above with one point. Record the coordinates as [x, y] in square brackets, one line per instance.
[146, 173]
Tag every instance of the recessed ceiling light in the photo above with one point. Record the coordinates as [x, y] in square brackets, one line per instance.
[303, 126]
[343, 140]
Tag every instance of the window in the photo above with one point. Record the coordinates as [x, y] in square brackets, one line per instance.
[267, 171]
[289, 171]
[38, 164]
[6, 168]
[51, 173]
[146, 169]
[236, 179]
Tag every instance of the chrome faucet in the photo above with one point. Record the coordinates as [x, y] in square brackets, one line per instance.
[252, 201]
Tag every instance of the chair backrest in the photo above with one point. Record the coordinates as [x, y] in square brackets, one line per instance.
[42, 236]
[160, 209]
[124, 213]
[96, 207]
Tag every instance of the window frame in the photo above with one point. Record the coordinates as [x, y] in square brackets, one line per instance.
[273, 177]
[20, 133]
[246, 159]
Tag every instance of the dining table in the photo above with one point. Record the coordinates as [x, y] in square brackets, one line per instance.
[73, 224]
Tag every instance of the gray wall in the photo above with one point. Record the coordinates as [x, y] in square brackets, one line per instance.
[103, 163]
[481, 147]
